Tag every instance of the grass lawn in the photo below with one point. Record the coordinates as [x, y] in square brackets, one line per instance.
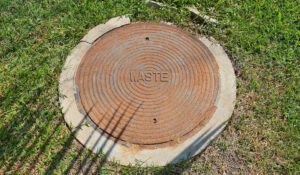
[261, 38]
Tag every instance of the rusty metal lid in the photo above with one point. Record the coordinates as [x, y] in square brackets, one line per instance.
[148, 84]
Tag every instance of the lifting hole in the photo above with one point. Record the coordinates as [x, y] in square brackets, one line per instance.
[147, 38]
[154, 120]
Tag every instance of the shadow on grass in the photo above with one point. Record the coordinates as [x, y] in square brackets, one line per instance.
[90, 163]
[85, 160]
[23, 133]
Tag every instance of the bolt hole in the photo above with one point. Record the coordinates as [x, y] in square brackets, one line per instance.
[147, 38]
[154, 120]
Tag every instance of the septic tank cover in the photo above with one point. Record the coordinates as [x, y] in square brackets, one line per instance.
[149, 91]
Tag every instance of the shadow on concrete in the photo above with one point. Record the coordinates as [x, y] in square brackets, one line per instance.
[182, 159]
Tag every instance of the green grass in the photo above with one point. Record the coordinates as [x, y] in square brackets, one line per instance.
[261, 37]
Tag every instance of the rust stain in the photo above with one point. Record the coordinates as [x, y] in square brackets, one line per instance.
[133, 149]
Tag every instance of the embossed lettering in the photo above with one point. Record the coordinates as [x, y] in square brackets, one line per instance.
[147, 76]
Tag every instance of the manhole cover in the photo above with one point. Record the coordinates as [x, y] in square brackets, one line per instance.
[146, 92]
[148, 84]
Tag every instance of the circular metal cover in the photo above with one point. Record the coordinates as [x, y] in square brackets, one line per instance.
[148, 84]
